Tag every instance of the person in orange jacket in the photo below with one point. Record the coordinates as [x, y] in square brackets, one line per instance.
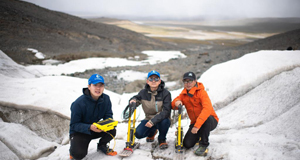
[201, 113]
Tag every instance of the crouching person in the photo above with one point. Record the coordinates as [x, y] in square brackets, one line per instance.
[90, 107]
[156, 103]
[201, 113]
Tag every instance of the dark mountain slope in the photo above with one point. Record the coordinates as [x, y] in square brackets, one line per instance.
[282, 41]
[277, 42]
[25, 25]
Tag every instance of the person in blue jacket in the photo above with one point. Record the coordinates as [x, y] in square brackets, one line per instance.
[90, 107]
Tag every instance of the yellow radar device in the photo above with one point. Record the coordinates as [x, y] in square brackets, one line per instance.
[106, 125]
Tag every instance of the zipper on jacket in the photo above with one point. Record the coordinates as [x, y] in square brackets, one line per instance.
[94, 110]
[193, 108]
[156, 106]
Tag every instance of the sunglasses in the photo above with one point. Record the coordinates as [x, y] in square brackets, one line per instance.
[153, 79]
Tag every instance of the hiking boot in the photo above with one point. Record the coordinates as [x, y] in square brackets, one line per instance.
[151, 139]
[163, 144]
[106, 150]
[201, 151]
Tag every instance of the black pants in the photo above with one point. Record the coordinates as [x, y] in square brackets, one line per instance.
[191, 139]
[79, 142]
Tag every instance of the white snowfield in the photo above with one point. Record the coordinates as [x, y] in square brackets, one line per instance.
[257, 98]
[99, 63]
[228, 81]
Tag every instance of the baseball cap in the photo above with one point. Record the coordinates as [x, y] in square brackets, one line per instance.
[153, 73]
[189, 75]
[96, 78]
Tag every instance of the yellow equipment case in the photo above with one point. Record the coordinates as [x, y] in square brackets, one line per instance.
[106, 125]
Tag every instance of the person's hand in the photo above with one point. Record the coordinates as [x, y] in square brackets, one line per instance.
[177, 103]
[95, 129]
[194, 130]
[132, 101]
[149, 124]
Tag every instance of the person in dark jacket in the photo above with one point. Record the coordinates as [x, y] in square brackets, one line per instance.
[156, 103]
[90, 107]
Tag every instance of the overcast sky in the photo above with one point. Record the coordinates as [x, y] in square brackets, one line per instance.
[175, 9]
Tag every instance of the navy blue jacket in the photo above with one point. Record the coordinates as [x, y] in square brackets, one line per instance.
[85, 111]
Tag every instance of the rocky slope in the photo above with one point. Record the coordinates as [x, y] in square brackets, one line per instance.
[62, 36]
[197, 62]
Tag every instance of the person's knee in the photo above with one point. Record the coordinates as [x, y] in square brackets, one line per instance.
[165, 122]
[209, 125]
[113, 132]
[78, 154]
[138, 135]
[188, 145]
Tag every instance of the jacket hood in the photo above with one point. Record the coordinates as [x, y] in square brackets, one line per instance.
[87, 93]
[198, 86]
[160, 87]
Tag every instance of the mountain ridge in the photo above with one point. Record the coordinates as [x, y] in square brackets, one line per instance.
[62, 36]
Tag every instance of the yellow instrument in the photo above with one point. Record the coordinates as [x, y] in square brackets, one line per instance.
[178, 144]
[130, 144]
[106, 125]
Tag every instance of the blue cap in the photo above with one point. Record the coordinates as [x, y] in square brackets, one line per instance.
[96, 78]
[153, 73]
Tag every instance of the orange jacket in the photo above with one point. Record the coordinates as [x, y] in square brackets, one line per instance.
[197, 104]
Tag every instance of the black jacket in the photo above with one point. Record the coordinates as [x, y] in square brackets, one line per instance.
[157, 104]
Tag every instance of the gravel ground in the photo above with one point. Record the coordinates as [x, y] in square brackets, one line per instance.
[197, 61]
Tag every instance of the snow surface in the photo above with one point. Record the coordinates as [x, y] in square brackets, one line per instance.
[99, 63]
[257, 96]
[38, 54]
[228, 81]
